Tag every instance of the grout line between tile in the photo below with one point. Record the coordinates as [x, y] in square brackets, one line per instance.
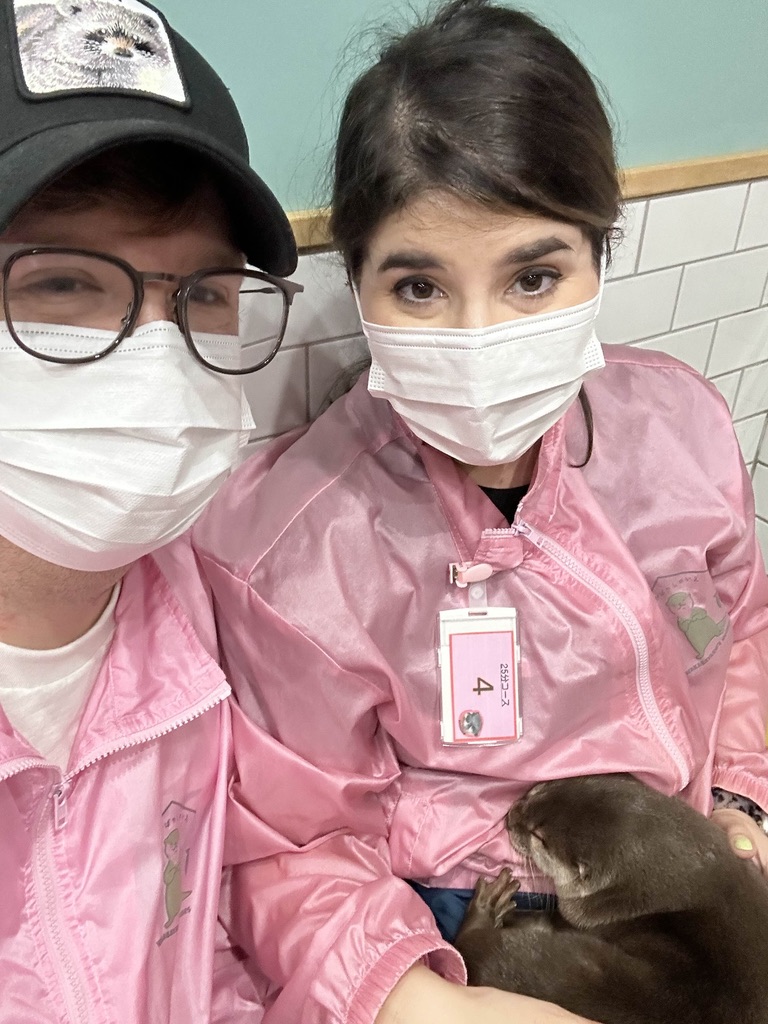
[737, 369]
[715, 320]
[641, 242]
[751, 416]
[736, 393]
[703, 259]
[330, 341]
[761, 442]
[743, 217]
[677, 298]
[711, 348]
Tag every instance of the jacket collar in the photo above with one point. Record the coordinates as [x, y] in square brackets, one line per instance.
[156, 675]
[468, 510]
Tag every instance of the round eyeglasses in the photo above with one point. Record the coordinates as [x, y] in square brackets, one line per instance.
[233, 319]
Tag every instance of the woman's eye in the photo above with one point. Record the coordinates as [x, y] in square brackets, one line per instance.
[417, 291]
[536, 282]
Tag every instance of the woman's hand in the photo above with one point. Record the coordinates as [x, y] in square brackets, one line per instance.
[747, 839]
[423, 997]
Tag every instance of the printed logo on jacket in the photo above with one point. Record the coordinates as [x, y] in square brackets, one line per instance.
[690, 599]
[178, 827]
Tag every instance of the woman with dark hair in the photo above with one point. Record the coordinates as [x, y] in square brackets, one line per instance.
[456, 583]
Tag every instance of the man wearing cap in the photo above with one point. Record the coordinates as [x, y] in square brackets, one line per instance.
[127, 214]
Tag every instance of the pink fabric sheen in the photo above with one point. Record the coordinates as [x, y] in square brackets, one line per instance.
[156, 733]
[328, 566]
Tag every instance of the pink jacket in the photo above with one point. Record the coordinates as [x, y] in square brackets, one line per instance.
[328, 560]
[112, 873]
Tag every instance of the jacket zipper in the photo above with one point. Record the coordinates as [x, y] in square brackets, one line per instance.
[71, 982]
[60, 792]
[633, 628]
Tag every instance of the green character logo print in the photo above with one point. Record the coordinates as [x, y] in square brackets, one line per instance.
[177, 828]
[173, 877]
[691, 598]
[700, 628]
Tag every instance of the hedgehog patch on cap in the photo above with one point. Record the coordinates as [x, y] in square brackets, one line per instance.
[80, 46]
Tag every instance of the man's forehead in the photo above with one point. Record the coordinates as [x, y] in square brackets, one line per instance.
[111, 227]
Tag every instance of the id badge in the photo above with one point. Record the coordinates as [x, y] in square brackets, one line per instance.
[479, 658]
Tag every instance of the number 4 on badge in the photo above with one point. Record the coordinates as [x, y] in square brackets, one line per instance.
[482, 687]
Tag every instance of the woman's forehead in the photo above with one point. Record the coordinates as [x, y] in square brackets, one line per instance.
[441, 222]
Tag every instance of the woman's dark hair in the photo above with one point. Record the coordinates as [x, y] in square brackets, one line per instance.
[484, 102]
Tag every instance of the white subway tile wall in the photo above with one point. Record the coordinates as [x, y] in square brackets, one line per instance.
[690, 278]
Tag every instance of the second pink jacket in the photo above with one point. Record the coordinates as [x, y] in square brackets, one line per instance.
[328, 560]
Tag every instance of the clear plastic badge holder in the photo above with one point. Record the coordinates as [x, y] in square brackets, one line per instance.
[479, 659]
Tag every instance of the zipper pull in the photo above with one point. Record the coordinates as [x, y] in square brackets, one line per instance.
[60, 805]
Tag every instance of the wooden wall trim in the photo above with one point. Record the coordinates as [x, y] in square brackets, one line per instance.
[311, 226]
[661, 179]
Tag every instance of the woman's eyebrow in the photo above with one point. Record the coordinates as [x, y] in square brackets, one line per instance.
[410, 261]
[535, 251]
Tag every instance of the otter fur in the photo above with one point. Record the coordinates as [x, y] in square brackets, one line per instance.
[658, 921]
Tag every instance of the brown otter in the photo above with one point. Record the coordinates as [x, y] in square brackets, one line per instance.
[658, 922]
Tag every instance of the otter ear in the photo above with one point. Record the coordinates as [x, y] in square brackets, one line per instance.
[585, 871]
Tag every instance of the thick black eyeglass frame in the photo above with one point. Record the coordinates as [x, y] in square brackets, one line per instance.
[180, 297]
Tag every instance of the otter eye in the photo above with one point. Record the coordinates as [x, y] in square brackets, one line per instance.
[143, 47]
[538, 833]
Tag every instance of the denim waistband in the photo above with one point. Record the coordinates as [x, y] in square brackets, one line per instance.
[449, 906]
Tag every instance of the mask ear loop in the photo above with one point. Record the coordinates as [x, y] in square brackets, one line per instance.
[356, 294]
[601, 287]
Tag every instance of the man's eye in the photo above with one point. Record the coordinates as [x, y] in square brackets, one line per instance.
[203, 296]
[61, 285]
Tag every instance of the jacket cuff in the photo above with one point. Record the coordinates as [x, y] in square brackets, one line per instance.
[743, 784]
[382, 977]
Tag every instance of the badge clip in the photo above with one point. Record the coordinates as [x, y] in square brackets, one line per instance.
[461, 574]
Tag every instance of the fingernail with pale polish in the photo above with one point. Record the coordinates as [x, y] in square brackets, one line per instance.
[743, 843]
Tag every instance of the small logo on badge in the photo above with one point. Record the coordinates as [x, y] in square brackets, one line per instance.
[471, 723]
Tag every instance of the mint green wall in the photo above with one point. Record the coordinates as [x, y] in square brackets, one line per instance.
[686, 78]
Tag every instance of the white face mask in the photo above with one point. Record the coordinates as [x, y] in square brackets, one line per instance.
[485, 396]
[103, 462]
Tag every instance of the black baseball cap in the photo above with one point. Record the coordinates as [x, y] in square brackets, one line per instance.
[79, 77]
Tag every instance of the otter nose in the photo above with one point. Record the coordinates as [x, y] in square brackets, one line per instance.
[122, 51]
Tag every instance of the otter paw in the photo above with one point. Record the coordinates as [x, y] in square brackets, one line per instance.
[494, 897]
